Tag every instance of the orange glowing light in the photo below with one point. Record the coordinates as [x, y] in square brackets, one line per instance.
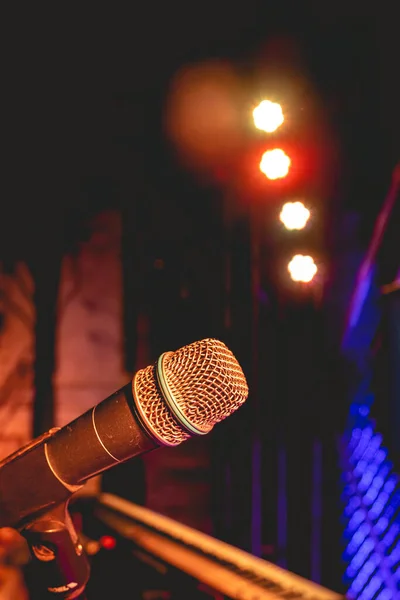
[275, 164]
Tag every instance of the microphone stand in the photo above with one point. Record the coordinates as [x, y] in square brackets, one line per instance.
[59, 567]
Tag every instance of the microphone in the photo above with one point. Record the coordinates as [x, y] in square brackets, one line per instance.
[185, 393]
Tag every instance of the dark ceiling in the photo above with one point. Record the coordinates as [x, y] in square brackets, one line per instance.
[84, 90]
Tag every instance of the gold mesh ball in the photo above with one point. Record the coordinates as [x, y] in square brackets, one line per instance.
[206, 382]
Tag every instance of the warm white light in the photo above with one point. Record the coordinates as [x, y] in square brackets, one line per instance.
[294, 215]
[268, 116]
[302, 268]
[275, 164]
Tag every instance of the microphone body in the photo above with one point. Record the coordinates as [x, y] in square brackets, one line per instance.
[52, 467]
[184, 394]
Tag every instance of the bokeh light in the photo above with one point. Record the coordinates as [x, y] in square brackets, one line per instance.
[268, 116]
[275, 164]
[202, 115]
[294, 215]
[302, 268]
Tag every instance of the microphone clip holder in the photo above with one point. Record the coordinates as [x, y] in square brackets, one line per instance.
[59, 567]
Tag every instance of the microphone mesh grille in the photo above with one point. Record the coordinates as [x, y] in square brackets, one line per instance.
[206, 382]
[154, 411]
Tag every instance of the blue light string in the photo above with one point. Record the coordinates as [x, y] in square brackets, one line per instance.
[371, 494]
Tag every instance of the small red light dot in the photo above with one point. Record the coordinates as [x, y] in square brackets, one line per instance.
[108, 542]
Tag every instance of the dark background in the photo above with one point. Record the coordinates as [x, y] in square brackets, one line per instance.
[84, 92]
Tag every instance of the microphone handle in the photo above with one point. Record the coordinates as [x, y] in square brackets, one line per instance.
[105, 435]
[51, 468]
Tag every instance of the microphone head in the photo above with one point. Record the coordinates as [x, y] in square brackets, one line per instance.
[188, 391]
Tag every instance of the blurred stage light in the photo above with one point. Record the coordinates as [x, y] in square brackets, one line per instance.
[92, 547]
[275, 164]
[294, 215]
[108, 542]
[203, 114]
[302, 268]
[268, 116]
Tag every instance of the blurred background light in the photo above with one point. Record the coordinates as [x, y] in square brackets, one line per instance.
[294, 215]
[275, 164]
[202, 116]
[268, 116]
[302, 268]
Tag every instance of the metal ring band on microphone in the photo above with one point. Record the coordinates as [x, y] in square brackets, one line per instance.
[171, 402]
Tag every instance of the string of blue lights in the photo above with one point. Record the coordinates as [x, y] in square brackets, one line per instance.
[371, 496]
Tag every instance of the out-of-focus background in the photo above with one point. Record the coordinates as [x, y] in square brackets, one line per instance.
[142, 208]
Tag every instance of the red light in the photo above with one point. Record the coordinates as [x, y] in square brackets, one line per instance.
[108, 542]
[307, 164]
